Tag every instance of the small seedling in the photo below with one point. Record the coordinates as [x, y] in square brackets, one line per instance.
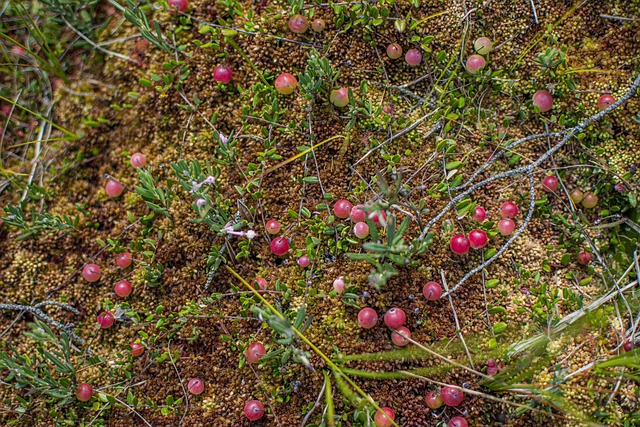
[398, 336]
[254, 352]
[550, 183]
[459, 244]
[298, 24]
[223, 74]
[195, 386]
[106, 320]
[452, 396]
[367, 318]
[394, 51]
[113, 188]
[384, 417]
[254, 410]
[138, 160]
[286, 83]
[432, 291]
[91, 272]
[413, 57]
[477, 239]
[122, 288]
[543, 100]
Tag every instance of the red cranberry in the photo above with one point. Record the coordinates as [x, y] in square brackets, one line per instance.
[260, 284]
[254, 352]
[383, 417]
[222, 74]
[413, 57]
[273, 226]
[543, 100]
[123, 259]
[113, 188]
[254, 410]
[357, 214]
[628, 345]
[106, 320]
[584, 258]
[138, 160]
[480, 214]
[279, 246]
[432, 291]
[452, 396]
[457, 422]
[378, 218]
[394, 318]
[136, 349]
[361, 230]
[433, 400]
[477, 239]
[398, 336]
[122, 288]
[195, 386]
[459, 244]
[491, 362]
[304, 261]
[605, 100]
[342, 208]
[340, 98]
[475, 63]
[286, 83]
[84, 392]
[91, 272]
[550, 183]
[509, 210]
[506, 226]
[394, 51]
[298, 24]
[367, 317]
[178, 5]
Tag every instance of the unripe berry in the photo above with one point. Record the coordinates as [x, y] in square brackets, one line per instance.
[342, 208]
[123, 259]
[222, 74]
[394, 318]
[338, 285]
[457, 422]
[432, 291]
[254, 352]
[482, 45]
[550, 183]
[279, 246]
[357, 214]
[584, 258]
[590, 200]
[459, 244]
[480, 214]
[178, 5]
[543, 100]
[382, 420]
[605, 100]
[260, 284]
[398, 336]
[361, 230]
[91, 272]
[113, 188]
[298, 24]
[477, 239]
[106, 320]
[254, 410]
[509, 210]
[304, 261]
[286, 83]
[339, 97]
[413, 57]
[576, 196]
[122, 288]
[138, 160]
[394, 51]
[452, 396]
[506, 226]
[273, 226]
[475, 63]
[195, 386]
[367, 318]
[137, 349]
[433, 400]
[84, 392]
[318, 25]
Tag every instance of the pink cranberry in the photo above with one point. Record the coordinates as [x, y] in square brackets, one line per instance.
[178, 5]
[123, 259]
[584, 258]
[398, 336]
[605, 100]
[433, 400]
[195, 386]
[106, 320]
[432, 291]
[340, 98]
[84, 392]
[222, 74]
[304, 261]
[475, 63]
[298, 24]
[509, 210]
[506, 226]
[477, 239]
[254, 352]
[378, 218]
[357, 214]
[318, 25]
[254, 410]
[383, 417]
[338, 285]
[543, 100]
[457, 422]
[367, 317]
[452, 396]
[342, 208]
[394, 51]
[394, 318]
[361, 230]
[480, 214]
[413, 57]
[492, 370]
[91, 272]
[279, 246]
[260, 284]
[459, 244]
[113, 188]
[136, 349]
[122, 288]
[273, 226]
[138, 160]
[628, 345]
[550, 183]
[286, 83]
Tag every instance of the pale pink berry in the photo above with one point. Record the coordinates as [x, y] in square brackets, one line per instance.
[279, 246]
[413, 57]
[136, 349]
[477, 239]
[475, 63]
[195, 386]
[91, 272]
[138, 160]
[433, 399]
[361, 230]
[122, 288]
[342, 208]
[457, 422]
[482, 45]
[605, 100]
[254, 410]
[492, 370]
[273, 226]
[304, 261]
[432, 291]
[398, 336]
[106, 320]
[550, 183]
[452, 396]
[339, 97]
[178, 5]
[286, 83]
[584, 258]
[338, 285]
[357, 214]
[509, 210]
[394, 51]
[590, 200]
[394, 318]
[506, 226]
[113, 188]
[123, 259]
[543, 100]
[459, 244]
[84, 392]
[298, 24]
[379, 218]
[367, 317]
[480, 214]
[254, 352]
[318, 25]
[260, 284]
[222, 74]
[383, 417]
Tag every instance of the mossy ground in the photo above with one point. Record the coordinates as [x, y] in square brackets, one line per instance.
[602, 56]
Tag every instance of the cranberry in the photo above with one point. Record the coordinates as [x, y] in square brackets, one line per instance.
[628, 345]
[576, 196]
[318, 25]
[84, 392]
[254, 410]
[286, 83]
[620, 187]
[482, 45]
[413, 57]
[584, 258]
[491, 362]
[123, 259]
[298, 24]
[342, 208]
[475, 63]
[590, 200]
[91, 272]
[254, 352]
[279, 246]
[383, 417]
[122, 288]
[452, 396]
[492, 370]
[605, 100]
[394, 318]
[457, 422]
[338, 285]
[394, 51]
[509, 210]
[106, 320]
[550, 183]
[260, 284]
[222, 74]
[304, 261]
[273, 226]
[433, 400]
[113, 188]
[138, 160]
[367, 317]
[477, 239]
[543, 100]
[480, 214]
[361, 230]
[178, 5]
[339, 98]
[357, 214]
[506, 226]
[136, 349]
[195, 386]
[432, 291]
[398, 336]
[379, 218]
[459, 244]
